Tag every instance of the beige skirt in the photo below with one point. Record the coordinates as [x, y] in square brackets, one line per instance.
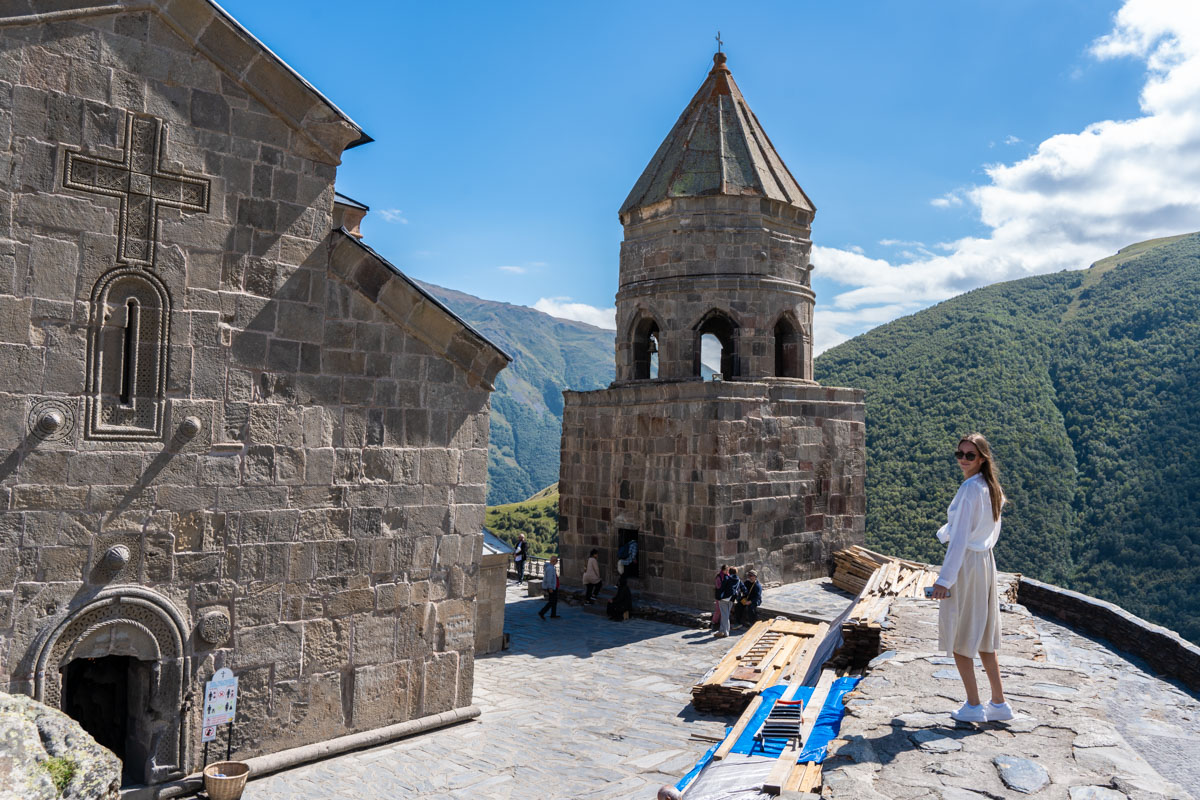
[969, 619]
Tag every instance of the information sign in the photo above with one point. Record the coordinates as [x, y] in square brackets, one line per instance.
[220, 702]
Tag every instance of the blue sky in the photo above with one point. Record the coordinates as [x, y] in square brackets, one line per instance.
[946, 144]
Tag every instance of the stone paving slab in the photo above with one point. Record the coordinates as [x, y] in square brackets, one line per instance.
[578, 707]
[1091, 722]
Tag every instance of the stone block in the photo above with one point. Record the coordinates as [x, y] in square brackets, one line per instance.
[439, 688]
[382, 695]
[326, 645]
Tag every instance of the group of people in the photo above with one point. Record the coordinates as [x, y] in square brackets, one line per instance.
[737, 600]
[619, 608]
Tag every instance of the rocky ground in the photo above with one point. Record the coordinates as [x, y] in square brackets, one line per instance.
[1091, 724]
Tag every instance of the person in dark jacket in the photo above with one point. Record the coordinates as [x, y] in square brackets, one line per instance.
[621, 606]
[730, 588]
[745, 611]
[520, 557]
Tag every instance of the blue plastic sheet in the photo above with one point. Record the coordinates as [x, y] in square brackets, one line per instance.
[829, 721]
[747, 744]
[683, 782]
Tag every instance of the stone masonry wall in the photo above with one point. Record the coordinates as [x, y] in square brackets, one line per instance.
[320, 533]
[769, 475]
[747, 256]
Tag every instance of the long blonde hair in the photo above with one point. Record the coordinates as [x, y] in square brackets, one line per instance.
[988, 469]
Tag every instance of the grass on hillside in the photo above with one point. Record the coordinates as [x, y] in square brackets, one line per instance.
[536, 517]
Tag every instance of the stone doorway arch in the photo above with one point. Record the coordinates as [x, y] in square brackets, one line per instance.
[142, 633]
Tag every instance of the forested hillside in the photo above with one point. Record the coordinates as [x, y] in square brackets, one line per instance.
[1087, 383]
[549, 355]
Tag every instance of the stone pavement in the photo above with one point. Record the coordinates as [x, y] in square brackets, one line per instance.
[1091, 723]
[578, 707]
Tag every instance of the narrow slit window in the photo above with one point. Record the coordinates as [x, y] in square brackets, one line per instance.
[130, 352]
[127, 356]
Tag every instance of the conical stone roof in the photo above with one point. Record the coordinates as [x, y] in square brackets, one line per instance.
[716, 147]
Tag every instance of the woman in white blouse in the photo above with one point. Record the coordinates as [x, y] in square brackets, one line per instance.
[969, 616]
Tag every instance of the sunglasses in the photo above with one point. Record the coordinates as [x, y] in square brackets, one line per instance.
[961, 456]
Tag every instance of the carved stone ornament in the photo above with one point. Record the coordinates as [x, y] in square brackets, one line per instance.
[51, 420]
[214, 627]
[141, 182]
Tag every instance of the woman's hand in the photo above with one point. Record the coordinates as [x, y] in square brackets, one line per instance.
[940, 592]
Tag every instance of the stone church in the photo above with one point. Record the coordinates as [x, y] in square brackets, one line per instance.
[759, 466]
[235, 436]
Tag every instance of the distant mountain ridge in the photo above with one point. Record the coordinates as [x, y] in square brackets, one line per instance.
[549, 355]
[1087, 384]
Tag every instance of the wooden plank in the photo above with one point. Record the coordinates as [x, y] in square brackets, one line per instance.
[799, 669]
[730, 662]
[773, 671]
[811, 782]
[794, 627]
[737, 729]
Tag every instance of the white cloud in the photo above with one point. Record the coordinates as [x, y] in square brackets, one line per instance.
[393, 215]
[512, 269]
[581, 312]
[896, 243]
[1077, 198]
[1010, 139]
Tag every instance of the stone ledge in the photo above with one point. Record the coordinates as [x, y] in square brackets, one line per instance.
[1163, 649]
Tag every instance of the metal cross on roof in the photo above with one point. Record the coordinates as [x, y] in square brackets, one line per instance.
[719, 42]
[141, 183]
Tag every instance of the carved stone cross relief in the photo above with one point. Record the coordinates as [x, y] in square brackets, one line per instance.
[141, 182]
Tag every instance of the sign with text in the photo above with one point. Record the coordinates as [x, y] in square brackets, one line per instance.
[220, 702]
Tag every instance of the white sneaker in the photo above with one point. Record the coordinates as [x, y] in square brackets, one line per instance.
[998, 713]
[969, 713]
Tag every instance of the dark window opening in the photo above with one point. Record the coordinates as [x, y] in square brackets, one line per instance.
[716, 326]
[627, 552]
[789, 349]
[129, 368]
[109, 699]
[645, 350]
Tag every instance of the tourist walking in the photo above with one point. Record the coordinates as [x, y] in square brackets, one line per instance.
[520, 556]
[591, 577]
[720, 579]
[550, 587]
[969, 615]
[729, 591]
[745, 611]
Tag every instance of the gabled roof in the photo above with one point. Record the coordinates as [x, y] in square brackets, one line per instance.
[219, 37]
[415, 310]
[494, 545]
[716, 147]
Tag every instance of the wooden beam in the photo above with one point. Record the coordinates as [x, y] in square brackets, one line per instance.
[737, 729]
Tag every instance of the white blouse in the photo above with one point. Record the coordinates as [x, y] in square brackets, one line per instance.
[970, 526]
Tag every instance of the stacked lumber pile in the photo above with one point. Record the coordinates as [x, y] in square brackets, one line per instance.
[770, 652]
[855, 566]
[891, 578]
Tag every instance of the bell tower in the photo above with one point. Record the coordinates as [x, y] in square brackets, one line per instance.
[762, 468]
[716, 243]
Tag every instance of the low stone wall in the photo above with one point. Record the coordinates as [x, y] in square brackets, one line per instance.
[1165, 651]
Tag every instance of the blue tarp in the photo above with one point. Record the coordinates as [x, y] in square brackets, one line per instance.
[829, 721]
[772, 745]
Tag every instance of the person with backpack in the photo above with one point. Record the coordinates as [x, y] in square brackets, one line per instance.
[749, 599]
[720, 579]
[520, 556]
[730, 588]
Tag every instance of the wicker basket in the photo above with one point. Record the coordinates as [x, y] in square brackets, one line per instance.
[225, 780]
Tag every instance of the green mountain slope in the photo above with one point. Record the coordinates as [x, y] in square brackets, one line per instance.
[549, 355]
[1087, 383]
[536, 517]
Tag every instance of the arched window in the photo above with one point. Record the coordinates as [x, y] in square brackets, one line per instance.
[789, 349]
[127, 356]
[645, 349]
[721, 333]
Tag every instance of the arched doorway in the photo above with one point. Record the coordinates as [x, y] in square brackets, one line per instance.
[117, 666]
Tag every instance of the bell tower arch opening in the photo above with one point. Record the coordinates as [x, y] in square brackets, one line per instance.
[789, 348]
[720, 331]
[645, 342]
